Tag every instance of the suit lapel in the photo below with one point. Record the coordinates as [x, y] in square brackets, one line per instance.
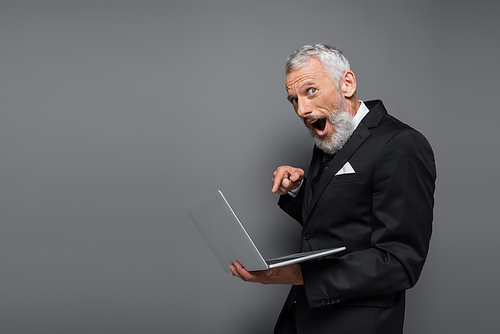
[313, 170]
[358, 137]
[362, 132]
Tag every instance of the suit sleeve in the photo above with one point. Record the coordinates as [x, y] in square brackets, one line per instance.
[402, 205]
[293, 205]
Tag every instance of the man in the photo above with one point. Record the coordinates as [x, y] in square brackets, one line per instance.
[369, 187]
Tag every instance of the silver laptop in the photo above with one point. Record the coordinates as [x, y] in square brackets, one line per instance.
[229, 241]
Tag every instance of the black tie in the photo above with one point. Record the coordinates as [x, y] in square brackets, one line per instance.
[325, 161]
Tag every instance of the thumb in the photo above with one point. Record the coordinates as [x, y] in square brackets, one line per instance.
[295, 176]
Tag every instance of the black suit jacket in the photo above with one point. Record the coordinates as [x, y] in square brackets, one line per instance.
[382, 214]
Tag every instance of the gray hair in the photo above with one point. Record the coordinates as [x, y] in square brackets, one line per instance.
[331, 58]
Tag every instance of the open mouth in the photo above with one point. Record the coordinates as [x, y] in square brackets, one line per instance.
[319, 124]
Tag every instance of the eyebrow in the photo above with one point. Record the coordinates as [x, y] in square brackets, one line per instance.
[307, 83]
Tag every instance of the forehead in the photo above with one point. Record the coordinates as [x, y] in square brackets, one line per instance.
[313, 72]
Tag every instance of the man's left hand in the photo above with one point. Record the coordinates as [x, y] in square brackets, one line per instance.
[290, 274]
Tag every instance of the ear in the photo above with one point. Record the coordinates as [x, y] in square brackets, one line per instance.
[348, 84]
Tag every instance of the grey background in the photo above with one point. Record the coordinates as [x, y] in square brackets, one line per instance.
[115, 115]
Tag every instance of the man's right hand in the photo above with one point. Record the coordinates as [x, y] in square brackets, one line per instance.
[286, 178]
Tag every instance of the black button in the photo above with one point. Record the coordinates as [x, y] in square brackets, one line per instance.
[307, 236]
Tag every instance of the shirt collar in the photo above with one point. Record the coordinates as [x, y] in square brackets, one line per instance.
[362, 111]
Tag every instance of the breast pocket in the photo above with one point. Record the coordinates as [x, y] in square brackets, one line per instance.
[344, 178]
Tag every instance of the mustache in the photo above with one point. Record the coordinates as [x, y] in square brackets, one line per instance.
[309, 120]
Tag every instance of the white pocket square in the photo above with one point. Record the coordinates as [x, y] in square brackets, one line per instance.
[347, 169]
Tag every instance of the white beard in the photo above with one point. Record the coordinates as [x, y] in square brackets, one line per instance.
[343, 126]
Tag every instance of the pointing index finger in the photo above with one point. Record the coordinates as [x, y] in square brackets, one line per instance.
[279, 175]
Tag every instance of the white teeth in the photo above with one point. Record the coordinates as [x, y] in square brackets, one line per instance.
[314, 121]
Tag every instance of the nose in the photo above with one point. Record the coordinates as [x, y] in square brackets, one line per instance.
[303, 108]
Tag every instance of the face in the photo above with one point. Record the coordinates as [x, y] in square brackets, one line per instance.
[319, 103]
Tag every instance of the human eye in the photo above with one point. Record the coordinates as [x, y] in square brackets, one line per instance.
[312, 90]
[293, 100]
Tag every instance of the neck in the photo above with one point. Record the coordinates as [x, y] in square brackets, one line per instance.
[353, 104]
